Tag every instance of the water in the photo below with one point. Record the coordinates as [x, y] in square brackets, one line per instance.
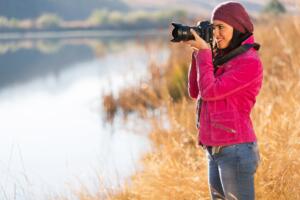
[53, 138]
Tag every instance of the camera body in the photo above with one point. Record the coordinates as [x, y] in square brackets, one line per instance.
[183, 33]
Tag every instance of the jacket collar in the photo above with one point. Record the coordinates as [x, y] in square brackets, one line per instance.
[249, 40]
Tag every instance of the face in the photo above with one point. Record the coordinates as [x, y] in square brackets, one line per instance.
[222, 33]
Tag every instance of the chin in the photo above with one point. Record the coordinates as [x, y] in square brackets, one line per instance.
[222, 46]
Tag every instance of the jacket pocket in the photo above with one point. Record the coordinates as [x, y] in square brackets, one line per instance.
[224, 126]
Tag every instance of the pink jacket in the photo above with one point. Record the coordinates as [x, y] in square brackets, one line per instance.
[228, 96]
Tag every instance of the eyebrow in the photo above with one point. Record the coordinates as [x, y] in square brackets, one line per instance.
[218, 24]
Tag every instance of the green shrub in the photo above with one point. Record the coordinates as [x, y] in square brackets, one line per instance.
[48, 20]
[98, 17]
[275, 7]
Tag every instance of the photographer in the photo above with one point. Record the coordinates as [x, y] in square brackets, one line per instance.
[225, 83]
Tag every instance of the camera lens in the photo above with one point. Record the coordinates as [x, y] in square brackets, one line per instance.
[181, 33]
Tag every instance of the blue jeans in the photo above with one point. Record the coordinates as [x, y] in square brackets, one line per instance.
[231, 172]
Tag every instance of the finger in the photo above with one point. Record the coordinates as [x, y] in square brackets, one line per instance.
[195, 48]
[185, 41]
[195, 34]
[191, 42]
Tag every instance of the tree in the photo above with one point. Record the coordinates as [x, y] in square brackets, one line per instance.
[275, 7]
[48, 20]
[98, 17]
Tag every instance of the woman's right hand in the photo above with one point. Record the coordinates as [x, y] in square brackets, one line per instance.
[198, 43]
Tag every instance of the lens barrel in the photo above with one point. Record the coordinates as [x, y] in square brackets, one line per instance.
[183, 32]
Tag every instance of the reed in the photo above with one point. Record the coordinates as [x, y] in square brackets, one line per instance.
[176, 168]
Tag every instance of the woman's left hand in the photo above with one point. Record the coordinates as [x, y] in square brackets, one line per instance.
[198, 43]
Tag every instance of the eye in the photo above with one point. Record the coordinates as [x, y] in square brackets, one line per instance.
[219, 26]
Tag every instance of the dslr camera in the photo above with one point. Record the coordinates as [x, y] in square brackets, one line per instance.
[182, 32]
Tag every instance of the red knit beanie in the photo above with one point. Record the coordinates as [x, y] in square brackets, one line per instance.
[234, 14]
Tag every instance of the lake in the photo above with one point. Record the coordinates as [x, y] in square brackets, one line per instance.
[54, 138]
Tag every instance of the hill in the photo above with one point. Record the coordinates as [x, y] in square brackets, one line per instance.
[204, 7]
[81, 9]
[67, 9]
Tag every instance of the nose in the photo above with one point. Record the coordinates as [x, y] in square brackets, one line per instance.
[216, 32]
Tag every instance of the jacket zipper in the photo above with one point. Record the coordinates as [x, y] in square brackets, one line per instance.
[225, 128]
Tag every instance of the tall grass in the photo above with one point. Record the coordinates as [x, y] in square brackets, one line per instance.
[177, 169]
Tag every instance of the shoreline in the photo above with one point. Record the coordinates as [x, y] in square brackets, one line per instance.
[80, 34]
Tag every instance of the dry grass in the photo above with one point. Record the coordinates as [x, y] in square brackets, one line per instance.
[276, 116]
[165, 81]
[176, 168]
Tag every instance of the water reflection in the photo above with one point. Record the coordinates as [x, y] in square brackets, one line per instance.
[52, 136]
[23, 60]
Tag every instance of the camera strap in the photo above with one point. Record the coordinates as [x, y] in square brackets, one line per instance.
[241, 49]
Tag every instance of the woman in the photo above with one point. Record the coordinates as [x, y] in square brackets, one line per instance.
[227, 93]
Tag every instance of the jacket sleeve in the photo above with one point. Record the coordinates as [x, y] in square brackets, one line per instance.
[192, 79]
[214, 88]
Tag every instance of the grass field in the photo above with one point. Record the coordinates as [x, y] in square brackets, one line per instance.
[176, 168]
